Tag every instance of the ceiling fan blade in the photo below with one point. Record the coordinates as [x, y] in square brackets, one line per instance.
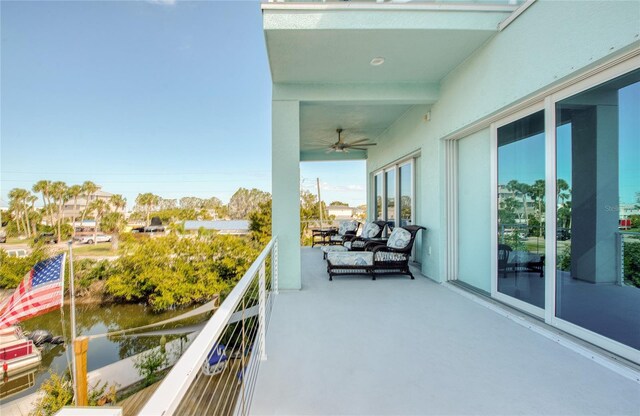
[360, 141]
[357, 148]
[362, 144]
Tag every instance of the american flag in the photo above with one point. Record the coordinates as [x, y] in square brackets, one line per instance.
[40, 291]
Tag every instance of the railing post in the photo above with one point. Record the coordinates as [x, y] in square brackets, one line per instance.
[274, 267]
[262, 311]
[80, 347]
[620, 262]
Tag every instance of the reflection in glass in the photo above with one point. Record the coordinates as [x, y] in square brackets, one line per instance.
[598, 227]
[390, 185]
[378, 195]
[405, 194]
[521, 209]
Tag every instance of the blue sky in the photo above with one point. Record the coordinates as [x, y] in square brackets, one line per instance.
[167, 97]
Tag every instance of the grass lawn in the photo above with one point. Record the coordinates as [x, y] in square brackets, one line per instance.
[16, 240]
[100, 249]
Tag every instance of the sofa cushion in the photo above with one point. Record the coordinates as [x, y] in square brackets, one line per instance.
[328, 249]
[370, 230]
[350, 258]
[399, 238]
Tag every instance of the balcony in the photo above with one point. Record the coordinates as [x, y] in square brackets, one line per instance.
[401, 346]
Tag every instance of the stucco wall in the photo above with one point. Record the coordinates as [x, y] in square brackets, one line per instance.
[474, 210]
[550, 42]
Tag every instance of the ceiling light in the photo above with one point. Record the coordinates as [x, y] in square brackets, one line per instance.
[377, 61]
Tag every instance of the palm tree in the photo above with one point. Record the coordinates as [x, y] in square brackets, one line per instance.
[59, 195]
[147, 202]
[116, 219]
[44, 187]
[16, 204]
[33, 214]
[88, 189]
[74, 192]
[538, 193]
[98, 207]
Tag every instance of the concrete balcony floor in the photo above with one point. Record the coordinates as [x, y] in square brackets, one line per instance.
[399, 346]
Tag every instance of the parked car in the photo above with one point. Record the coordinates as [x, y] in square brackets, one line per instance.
[47, 238]
[563, 234]
[89, 239]
[3, 236]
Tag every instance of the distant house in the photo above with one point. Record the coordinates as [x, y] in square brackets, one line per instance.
[230, 227]
[73, 208]
[343, 212]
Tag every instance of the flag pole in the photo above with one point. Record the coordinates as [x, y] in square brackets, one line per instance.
[73, 321]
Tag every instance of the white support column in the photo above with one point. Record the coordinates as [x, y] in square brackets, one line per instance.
[262, 311]
[286, 190]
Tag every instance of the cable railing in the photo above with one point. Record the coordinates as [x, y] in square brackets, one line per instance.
[217, 374]
[628, 248]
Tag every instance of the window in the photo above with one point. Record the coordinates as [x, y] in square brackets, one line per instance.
[406, 194]
[394, 194]
[598, 198]
[378, 196]
[390, 196]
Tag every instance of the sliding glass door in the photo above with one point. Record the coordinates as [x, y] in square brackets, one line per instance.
[521, 202]
[598, 209]
[566, 209]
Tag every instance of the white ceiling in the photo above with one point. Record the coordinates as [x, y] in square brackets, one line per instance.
[344, 56]
[318, 122]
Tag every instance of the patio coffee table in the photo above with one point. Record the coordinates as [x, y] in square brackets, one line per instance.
[322, 236]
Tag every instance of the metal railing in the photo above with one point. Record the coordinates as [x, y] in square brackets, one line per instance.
[624, 240]
[217, 374]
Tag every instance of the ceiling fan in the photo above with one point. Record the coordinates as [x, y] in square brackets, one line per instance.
[342, 146]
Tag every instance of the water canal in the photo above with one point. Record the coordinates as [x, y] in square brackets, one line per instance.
[93, 320]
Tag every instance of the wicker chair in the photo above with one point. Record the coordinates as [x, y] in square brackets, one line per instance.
[392, 258]
[371, 230]
[357, 243]
[346, 230]
[503, 258]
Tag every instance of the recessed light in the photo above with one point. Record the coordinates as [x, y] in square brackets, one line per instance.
[377, 61]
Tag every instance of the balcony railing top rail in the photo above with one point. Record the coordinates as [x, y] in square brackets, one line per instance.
[234, 310]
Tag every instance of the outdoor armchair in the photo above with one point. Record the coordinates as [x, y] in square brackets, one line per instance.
[371, 230]
[347, 229]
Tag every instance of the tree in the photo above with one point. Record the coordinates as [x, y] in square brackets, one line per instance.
[60, 195]
[244, 201]
[88, 189]
[260, 222]
[338, 203]
[44, 187]
[309, 212]
[20, 205]
[147, 203]
[113, 221]
[98, 207]
[537, 193]
[73, 192]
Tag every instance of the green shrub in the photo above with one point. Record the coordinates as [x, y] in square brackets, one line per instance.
[13, 269]
[58, 392]
[632, 263]
[149, 363]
